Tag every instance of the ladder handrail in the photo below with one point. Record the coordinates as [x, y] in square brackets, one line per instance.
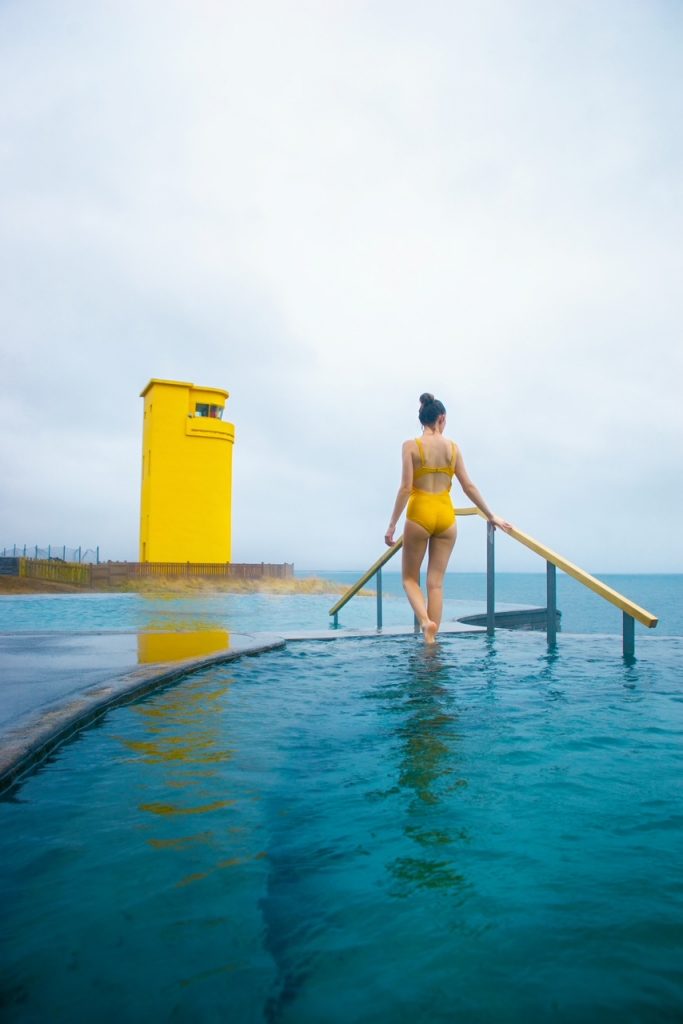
[591, 582]
[360, 583]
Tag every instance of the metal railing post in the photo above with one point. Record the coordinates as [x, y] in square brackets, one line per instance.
[551, 610]
[629, 635]
[379, 598]
[490, 579]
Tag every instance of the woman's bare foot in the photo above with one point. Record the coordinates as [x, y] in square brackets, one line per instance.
[429, 630]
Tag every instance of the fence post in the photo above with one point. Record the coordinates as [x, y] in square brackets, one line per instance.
[490, 579]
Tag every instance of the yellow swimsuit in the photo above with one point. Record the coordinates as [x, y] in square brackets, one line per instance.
[433, 511]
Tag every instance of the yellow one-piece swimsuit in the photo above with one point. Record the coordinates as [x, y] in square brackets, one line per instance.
[433, 511]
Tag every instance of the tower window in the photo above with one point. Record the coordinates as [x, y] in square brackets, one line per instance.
[214, 412]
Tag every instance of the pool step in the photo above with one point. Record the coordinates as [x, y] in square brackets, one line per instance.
[522, 618]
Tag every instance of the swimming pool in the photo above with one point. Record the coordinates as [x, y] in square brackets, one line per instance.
[361, 831]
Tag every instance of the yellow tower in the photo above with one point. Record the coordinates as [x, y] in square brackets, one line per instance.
[186, 500]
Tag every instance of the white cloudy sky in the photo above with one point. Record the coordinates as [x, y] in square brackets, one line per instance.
[327, 208]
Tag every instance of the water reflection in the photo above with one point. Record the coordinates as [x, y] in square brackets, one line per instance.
[160, 647]
[181, 750]
[429, 759]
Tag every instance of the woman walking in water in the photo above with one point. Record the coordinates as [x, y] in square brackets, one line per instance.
[429, 464]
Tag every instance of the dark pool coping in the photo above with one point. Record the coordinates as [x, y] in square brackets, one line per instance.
[35, 737]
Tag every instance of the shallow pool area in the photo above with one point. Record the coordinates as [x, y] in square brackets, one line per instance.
[361, 831]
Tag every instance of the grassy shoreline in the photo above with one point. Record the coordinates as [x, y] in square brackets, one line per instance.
[181, 587]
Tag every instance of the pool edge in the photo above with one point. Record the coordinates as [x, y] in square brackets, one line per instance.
[29, 743]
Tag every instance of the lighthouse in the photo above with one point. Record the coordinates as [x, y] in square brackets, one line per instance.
[186, 492]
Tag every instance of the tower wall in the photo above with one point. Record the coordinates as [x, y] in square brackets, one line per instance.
[186, 492]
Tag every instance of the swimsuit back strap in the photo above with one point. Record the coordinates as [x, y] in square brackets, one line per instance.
[454, 455]
[420, 448]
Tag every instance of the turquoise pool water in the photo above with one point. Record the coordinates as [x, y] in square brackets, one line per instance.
[361, 831]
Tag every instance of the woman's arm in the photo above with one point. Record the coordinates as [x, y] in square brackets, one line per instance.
[403, 491]
[473, 494]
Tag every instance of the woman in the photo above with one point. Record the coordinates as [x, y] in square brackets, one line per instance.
[429, 464]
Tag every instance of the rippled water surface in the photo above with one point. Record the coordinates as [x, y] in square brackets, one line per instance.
[361, 831]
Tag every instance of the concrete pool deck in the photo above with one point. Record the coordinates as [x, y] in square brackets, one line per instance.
[52, 684]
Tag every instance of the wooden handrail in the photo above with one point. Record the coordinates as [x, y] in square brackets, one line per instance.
[352, 591]
[594, 584]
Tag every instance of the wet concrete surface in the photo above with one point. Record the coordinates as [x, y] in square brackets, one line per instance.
[51, 684]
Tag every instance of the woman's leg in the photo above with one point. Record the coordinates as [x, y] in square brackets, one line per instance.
[440, 548]
[415, 540]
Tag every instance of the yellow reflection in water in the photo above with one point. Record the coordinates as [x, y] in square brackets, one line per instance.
[171, 809]
[155, 647]
[182, 842]
[182, 735]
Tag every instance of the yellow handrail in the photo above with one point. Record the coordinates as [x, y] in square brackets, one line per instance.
[352, 591]
[596, 585]
[591, 582]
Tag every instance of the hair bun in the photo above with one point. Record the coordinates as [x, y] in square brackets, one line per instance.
[426, 397]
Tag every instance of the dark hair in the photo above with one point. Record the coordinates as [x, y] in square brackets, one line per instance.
[430, 409]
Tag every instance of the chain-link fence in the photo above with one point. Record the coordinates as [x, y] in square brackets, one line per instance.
[52, 553]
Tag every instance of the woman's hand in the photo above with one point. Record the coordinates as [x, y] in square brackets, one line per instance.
[389, 536]
[502, 523]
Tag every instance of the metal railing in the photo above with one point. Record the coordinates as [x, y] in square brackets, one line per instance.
[631, 611]
[53, 552]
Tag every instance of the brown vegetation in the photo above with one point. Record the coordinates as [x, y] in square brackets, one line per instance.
[182, 586]
[24, 585]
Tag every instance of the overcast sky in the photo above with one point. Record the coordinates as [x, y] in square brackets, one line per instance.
[328, 208]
